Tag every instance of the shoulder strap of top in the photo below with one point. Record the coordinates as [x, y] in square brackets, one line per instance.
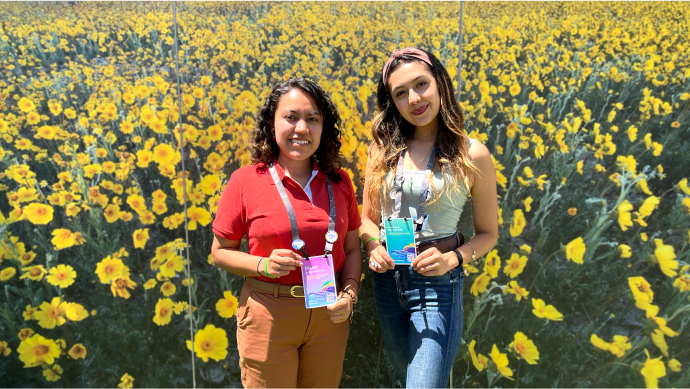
[470, 141]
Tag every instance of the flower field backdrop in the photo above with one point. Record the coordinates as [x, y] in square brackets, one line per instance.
[584, 107]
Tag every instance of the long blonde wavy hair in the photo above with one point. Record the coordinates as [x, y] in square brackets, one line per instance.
[392, 132]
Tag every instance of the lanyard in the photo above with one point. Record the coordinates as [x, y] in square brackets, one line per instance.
[297, 243]
[396, 193]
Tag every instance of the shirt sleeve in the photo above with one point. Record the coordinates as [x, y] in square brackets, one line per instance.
[231, 216]
[354, 219]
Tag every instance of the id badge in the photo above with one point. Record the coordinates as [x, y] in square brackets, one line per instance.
[400, 241]
[318, 279]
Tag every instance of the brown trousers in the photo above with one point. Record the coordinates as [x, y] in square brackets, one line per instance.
[282, 344]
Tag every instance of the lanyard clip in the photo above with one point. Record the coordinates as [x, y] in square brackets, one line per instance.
[304, 251]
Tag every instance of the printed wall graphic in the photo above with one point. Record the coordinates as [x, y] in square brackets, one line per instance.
[582, 106]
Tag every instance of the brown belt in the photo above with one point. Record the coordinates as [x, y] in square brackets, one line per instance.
[443, 245]
[280, 289]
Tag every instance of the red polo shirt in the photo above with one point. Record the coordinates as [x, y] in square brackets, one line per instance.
[251, 205]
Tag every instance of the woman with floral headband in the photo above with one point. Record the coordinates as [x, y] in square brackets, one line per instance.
[292, 203]
[422, 168]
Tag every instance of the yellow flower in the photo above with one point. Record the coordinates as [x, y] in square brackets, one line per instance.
[164, 310]
[112, 213]
[674, 365]
[39, 213]
[77, 351]
[150, 284]
[200, 215]
[51, 314]
[480, 283]
[665, 256]
[479, 361]
[164, 154]
[111, 268]
[624, 217]
[53, 373]
[492, 263]
[524, 348]
[516, 289]
[632, 133]
[62, 276]
[127, 381]
[543, 311]
[211, 342]
[652, 370]
[4, 350]
[140, 237]
[625, 251]
[660, 341]
[76, 312]
[37, 350]
[34, 273]
[26, 105]
[643, 236]
[515, 89]
[119, 287]
[518, 224]
[649, 205]
[168, 289]
[579, 166]
[620, 345]
[515, 265]
[501, 362]
[575, 250]
[599, 343]
[572, 211]
[7, 273]
[641, 290]
[683, 185]
[528, 204]
[63, 238]
[227, 306]
[172, 265]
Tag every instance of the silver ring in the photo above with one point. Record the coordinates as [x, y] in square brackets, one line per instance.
[374, 264]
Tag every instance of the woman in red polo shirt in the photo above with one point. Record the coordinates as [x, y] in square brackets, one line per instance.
[284, 203]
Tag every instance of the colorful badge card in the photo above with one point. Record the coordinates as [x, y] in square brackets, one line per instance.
[400, 240]
[318, 278]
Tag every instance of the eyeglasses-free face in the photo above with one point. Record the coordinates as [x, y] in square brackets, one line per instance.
[415, 94]
[298, 125]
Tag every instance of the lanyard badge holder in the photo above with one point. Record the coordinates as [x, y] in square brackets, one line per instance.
[399, 232]
[318, 276]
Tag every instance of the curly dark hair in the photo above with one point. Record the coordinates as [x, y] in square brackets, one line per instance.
[264, 147]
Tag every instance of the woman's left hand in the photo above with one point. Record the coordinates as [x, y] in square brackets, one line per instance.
[432, 262]
[340, 310]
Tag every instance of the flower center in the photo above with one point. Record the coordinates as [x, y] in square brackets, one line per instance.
[61, 276]
[515, 265]
[41, 350]
[54, 313]
[521, 348]
[164, 312]
[207, 346]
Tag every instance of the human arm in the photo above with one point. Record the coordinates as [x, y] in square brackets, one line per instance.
[226, 255]
[484, 214]
[371, 215]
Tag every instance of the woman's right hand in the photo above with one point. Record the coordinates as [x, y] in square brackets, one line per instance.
[282, 262]
[379, 260]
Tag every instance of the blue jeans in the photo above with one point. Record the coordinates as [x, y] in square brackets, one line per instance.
[421, 322]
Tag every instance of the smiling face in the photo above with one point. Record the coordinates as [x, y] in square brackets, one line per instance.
[415, 94]
[298, 125]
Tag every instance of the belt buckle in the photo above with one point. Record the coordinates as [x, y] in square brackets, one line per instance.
[292, 291]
